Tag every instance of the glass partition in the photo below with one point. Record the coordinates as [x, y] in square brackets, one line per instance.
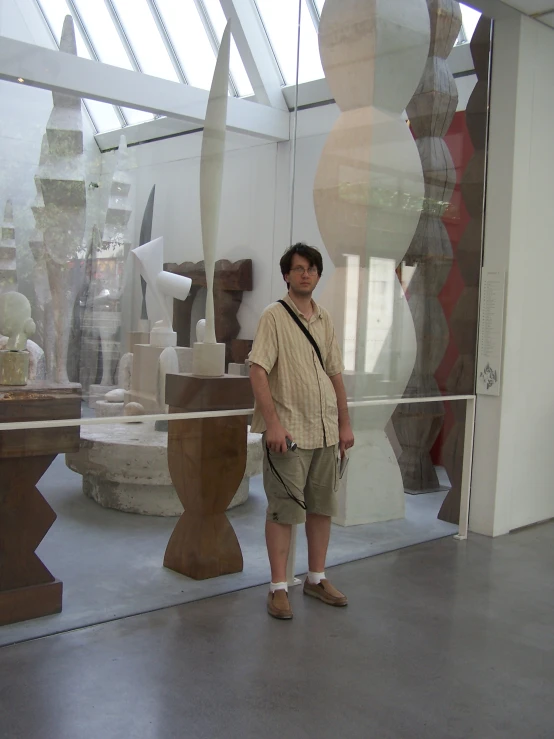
[389, 185]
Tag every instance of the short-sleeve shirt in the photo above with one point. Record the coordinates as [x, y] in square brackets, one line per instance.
[302, 392]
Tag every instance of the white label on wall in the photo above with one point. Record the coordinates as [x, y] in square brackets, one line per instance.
[491, 332]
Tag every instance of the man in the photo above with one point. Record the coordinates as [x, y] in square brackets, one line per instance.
[300, 399]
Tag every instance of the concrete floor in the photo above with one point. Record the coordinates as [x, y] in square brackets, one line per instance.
[110, 562]
[444, 640]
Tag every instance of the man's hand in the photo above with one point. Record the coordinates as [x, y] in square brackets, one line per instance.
[346, 437]
[276, 438]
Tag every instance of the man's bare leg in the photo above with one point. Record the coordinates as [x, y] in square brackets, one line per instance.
[277, 537]
[318, 531]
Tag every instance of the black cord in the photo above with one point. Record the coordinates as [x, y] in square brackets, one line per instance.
[301, 503]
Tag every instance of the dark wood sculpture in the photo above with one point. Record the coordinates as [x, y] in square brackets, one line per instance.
[27, 588]
[464, 318]
[231, 279]
[431, 111]
[207, 461]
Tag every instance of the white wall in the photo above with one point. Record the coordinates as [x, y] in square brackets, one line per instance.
[514, 461]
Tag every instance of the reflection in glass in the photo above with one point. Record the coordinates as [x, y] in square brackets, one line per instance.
[351, 311]
[281, 24]
[380, 309]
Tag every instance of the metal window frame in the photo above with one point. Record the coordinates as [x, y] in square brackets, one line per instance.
[166, 38]
[214, 41]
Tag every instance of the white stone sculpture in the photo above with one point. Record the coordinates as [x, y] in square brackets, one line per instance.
[8, 268]
[15, 323]
[164, 287]
[368, 196]
[208, 355]
[62, 213]
[168, 364]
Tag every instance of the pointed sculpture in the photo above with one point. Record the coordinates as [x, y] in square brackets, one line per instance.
[61, 176]
[209, 356]
[8, 268]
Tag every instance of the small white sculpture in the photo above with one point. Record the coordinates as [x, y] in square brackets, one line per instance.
[164, 286]
[15, 320]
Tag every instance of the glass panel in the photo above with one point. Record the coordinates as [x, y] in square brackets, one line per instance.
[320, 4]
[281, 23]
[103, 34]
[103, 116]
[190, 41]
[145, 38]
[240, 76]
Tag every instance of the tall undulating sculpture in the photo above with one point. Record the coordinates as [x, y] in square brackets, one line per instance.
[61, 176]
[144, 237]
[368, 196]
[83, 312]
[431, 111]
[8, 266]
[465, 315]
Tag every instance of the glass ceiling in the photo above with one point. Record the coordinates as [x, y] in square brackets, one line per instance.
[178, 40]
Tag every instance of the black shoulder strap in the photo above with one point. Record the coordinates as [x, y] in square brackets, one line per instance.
[304, 330]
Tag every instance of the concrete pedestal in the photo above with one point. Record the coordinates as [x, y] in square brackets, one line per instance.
[126, 468]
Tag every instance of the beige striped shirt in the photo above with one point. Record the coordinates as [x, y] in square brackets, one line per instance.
[302, 392]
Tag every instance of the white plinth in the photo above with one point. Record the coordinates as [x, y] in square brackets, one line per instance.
[208, 360]
[163, 337]
[126, 469]
[14, 367]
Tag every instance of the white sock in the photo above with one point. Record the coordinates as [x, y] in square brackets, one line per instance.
[273, 586]
[315, 577]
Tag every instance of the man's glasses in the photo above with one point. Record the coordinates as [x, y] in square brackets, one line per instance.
[300, 271]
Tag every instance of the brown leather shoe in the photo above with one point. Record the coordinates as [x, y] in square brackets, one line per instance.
[325, 592]
[278, 604]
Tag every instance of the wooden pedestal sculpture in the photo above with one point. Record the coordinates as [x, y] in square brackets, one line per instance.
[27, 588]
[431, 111]
[368, 195]
[464, 319]
[231, 279]
[207, 460]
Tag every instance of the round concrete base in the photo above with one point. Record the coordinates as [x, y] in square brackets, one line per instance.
[126, 469]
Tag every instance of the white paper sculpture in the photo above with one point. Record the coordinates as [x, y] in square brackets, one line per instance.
[208, 359]
[164, 287]
[15, 323]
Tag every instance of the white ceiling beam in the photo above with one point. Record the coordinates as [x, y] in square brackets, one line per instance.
[65, 73]
[256, 52]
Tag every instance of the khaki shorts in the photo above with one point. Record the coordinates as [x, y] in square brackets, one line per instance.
[311, 475]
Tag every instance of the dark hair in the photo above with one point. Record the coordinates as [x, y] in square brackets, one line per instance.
[310, 253]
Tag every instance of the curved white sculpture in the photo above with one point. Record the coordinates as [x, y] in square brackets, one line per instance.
[208, 359]
[368, 196]
[164, 287]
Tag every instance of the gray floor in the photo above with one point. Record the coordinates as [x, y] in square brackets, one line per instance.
[111, 562]
[445, 640]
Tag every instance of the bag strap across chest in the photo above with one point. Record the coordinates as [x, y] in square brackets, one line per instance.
[304, 330]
